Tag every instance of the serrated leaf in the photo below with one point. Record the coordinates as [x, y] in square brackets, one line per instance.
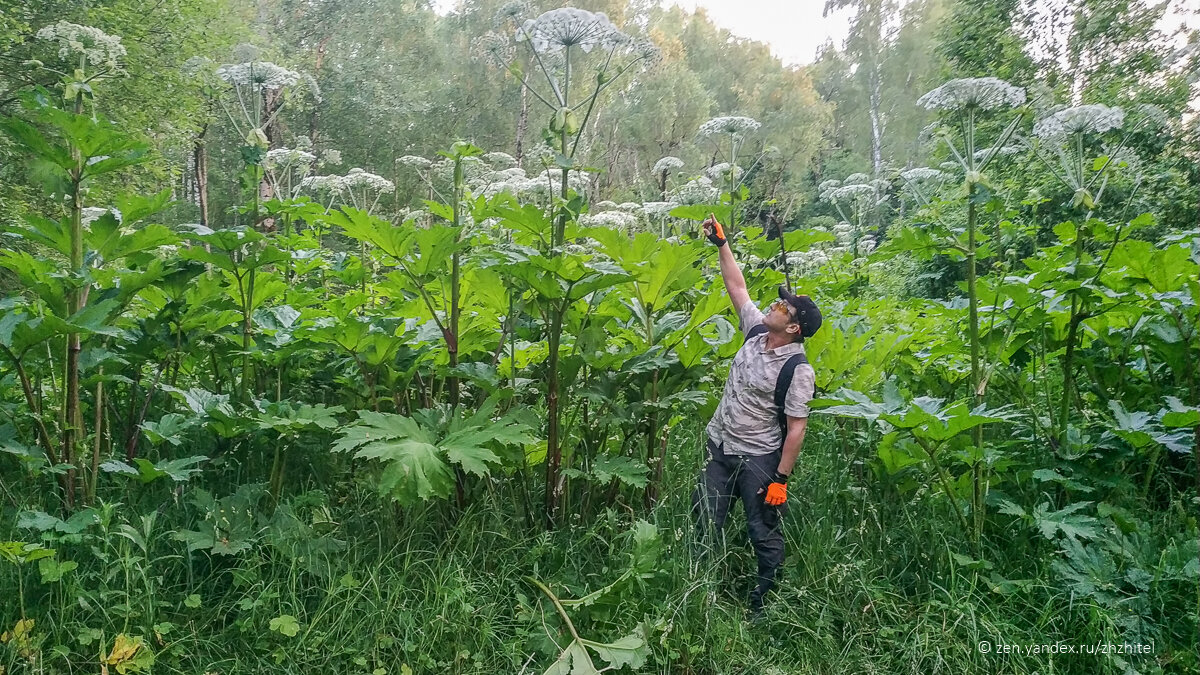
[630, 651]
[628, 471]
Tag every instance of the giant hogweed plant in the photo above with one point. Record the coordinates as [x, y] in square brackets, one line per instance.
[579, 55]
[68, 149]
[964, 105]
[1069, 143]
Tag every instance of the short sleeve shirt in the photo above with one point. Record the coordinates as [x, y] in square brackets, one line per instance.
[745, 419]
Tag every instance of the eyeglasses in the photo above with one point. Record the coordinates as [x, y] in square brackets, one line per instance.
[787, 309]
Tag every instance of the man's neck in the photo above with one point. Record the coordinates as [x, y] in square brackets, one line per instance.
[775, 340]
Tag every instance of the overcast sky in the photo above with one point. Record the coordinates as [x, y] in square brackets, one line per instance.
[793, 28]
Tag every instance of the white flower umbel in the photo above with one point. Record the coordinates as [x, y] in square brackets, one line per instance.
[729, 125]
[359, 179]
[283, 165]
[509, 12]
[281, 158]
[559, 29]
[849, 193]
[856, 178]
[617, 220]
[735, 128]
[1083, 119]
[724, 171]
[414, 162]
[74, 41]
[668, 164]
[606, 204]
[493, 49]
[630, 207]
[922, 181]
[983, 93]
[501, 160]
[331, 158]
[697, 191]
[258, 75]
[658, 209]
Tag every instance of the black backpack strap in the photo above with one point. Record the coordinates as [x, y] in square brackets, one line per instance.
[755, 332]
[782, 384]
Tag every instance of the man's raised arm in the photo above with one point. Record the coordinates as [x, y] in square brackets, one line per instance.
[731, 274]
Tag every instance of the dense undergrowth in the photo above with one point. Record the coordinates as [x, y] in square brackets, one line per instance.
[871, 585]
[324, 430]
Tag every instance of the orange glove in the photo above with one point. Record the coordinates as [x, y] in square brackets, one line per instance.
[714, 231]
[777, 490]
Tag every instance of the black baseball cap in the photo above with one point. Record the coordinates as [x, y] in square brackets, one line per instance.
[807, 314]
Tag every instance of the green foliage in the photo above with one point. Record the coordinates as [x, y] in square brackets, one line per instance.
[420, 452]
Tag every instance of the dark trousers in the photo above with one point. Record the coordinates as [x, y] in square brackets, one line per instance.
[726, 478]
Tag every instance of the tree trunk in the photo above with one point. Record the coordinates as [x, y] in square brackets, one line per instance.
[314, 116]
[876, 122]
[522, 125]
[200, 163]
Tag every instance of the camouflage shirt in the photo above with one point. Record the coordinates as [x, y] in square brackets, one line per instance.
[745, 418]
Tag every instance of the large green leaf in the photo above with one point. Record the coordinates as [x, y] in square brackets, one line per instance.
[628, 471]
[393, 240]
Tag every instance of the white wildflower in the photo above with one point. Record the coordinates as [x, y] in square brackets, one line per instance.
[258, 75]
[245, 52]
[629, 207]
[667, 163]
[310, 83]
[501, 159]
[856, 178]
[331, 157]
[985, 93]
[658, 209]
[93, 44]
[729, 125]
[334, 184]
[1083, 119]
[826, 188]
[286, 157]
[612, 219]
[723, 171]
[510, 11]
[493, 49]
[852, 192]
[357, 178]
[559, 29]
[1152, 114]
[606, 204]
[697, 191]
[415, 162]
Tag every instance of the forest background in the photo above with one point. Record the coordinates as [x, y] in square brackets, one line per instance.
[443, 411]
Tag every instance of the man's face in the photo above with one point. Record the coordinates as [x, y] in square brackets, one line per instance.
[780, 316]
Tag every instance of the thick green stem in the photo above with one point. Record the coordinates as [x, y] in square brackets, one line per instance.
[73, 431]
[553, 448]
[976, 369]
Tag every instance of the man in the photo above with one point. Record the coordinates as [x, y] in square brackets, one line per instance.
[752, 443]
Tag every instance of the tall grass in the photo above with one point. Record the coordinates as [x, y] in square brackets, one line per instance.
[869, 587]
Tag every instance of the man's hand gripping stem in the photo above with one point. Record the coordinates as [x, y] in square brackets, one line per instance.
[714, 231]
